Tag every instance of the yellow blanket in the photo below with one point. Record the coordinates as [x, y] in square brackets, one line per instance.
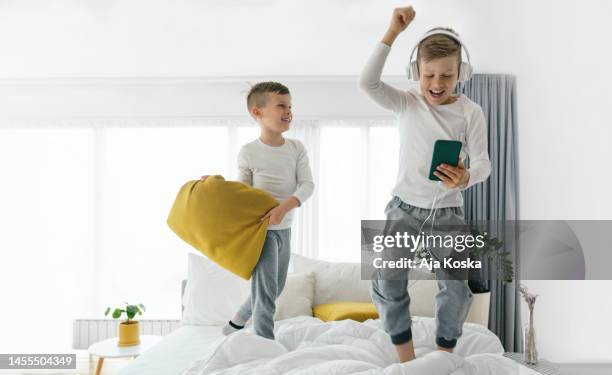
[222, 219]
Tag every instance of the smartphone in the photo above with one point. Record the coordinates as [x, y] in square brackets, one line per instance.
[445, 152]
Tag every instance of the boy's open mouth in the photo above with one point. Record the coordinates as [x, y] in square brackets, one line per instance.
[286, 119]
[436, 93]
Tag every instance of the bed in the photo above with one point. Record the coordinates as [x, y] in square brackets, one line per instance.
[305, 344]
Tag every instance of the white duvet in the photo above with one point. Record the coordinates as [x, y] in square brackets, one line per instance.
[306, 345]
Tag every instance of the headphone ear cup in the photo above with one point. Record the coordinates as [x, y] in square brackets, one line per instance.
[465, 72]
[413, 71]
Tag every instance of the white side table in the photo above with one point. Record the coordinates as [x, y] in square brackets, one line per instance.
[109, 349]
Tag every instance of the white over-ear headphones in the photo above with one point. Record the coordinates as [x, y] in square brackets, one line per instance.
[465, 69]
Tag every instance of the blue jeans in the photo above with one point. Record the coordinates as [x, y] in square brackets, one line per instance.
[267, 282]
[391, 297]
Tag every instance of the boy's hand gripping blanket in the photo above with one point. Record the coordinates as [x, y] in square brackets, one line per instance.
[306, 345]
[222, 219]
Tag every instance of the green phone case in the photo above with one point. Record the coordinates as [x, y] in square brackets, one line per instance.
[446, 152]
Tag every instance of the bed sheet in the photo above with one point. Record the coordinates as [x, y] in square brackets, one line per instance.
[177, 351]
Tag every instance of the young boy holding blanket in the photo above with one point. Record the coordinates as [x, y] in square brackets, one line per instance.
[425, 115]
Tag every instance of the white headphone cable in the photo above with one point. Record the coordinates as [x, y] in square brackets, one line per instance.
[432, 211]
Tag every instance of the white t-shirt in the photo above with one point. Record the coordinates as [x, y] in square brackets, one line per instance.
[420, 125]
[282, 171]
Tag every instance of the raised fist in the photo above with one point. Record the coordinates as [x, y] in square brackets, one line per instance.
[401, 19]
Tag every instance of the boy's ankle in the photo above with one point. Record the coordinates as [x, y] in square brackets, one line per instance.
[405, 351]
[446, 343]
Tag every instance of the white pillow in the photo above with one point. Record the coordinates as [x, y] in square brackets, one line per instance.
[341, 281]
[213, 295]
[334, 281]
[297, 296]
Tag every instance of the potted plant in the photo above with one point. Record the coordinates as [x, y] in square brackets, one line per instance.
[129, 329]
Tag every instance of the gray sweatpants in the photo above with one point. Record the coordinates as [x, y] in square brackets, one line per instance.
[391, 297]
[267, 282]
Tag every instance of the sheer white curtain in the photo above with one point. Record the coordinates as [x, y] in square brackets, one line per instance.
[354, 166]
[83, 211]
[305, 230]
[357, 168]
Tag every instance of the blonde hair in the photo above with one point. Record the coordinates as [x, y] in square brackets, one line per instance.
[438, 46]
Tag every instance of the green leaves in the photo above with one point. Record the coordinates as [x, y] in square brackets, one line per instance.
[130, 310]
[494, 251]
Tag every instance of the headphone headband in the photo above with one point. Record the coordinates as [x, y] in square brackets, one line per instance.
[452, 35]
[465, 68]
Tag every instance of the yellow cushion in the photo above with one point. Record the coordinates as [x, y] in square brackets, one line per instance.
[359, 311]
[222, 219]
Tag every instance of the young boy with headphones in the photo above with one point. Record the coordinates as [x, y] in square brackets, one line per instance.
[425, 115]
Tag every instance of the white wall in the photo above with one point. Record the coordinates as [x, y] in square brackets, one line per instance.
[559, 52]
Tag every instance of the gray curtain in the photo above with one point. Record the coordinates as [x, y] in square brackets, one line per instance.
[497, 198]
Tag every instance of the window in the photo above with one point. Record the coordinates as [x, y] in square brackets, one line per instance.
[46, 235]
[83, 218]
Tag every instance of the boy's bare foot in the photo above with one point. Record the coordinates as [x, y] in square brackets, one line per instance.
[405, 351]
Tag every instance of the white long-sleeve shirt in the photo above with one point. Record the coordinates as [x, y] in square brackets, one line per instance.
[420, 125]
[282, 171]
